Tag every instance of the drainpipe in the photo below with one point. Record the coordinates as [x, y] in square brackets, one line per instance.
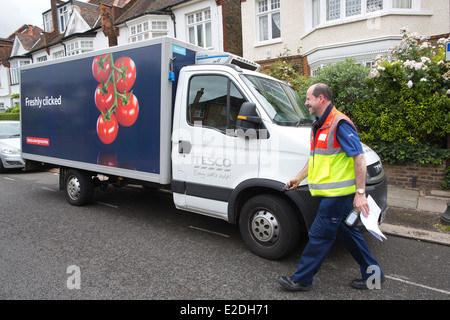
[172, 16]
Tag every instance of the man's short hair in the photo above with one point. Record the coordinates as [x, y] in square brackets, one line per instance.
[322, 89]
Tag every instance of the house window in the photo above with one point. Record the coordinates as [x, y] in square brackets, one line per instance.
[199, 28]
[374, 5]
[333, 9]
[402, 4]
[147, 30]
[15, 69]
[338, 11]
[315, 12]
[159, 29]
[79, 46]
[64, 13]
[269, 20]
[352, 7]
[58, 54]
[48, 22]
[41, 59]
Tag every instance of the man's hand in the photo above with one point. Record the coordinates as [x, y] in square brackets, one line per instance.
[360, 202]
[294, 182]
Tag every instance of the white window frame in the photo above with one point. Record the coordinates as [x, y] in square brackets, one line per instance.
[63, 17]
[199, 28]
[58, 54]
[79, 46]
[267, 10]
[402, 4]
[15, 69]
[159, 28]
[147, 29]
[48, 22]
[321, 18]
[41, 58]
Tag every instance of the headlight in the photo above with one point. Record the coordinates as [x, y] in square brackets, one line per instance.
[10, 150]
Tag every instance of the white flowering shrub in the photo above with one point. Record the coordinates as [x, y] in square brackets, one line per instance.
[414, 60]
[410, 103]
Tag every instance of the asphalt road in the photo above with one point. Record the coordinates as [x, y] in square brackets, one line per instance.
[132, 243]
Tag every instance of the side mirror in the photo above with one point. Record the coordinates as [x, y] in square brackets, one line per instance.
[248, 118]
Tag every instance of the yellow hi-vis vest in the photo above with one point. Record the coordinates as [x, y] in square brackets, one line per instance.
[330, 173]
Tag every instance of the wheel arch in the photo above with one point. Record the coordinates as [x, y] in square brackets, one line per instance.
[253, 187]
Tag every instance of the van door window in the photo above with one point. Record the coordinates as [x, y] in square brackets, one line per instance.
[214, 101]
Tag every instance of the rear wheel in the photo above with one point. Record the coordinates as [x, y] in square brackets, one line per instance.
[79, 187]
[269, 226]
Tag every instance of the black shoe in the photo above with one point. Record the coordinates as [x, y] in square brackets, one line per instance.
[291, 285]
[362, 284]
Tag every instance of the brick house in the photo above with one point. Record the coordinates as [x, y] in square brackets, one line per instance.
[328, 31]
[5, 95]
[73, 27]
[17, 45]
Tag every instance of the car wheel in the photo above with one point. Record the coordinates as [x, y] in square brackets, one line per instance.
[79, 187]
[269, 226]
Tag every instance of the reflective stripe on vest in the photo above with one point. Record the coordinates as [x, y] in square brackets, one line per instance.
[331, 173]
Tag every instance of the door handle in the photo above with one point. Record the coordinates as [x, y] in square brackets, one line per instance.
[184, 146]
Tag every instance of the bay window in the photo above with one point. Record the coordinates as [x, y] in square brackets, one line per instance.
[326, 12]
[147, 30]
[79, 46]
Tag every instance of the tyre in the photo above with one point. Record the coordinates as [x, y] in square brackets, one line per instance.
[269, 226]
[79, 187]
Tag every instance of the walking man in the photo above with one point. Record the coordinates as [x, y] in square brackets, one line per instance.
[336, 171]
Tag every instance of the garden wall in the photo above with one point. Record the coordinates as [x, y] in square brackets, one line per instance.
[425, 177]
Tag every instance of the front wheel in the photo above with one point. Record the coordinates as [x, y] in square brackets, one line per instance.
[269, 226]
[79, 187]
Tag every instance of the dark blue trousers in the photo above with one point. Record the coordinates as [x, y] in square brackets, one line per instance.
[328, 226]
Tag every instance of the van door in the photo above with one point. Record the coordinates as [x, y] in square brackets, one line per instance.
[210, 160]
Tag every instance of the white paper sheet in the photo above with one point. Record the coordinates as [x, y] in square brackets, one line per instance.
[371, 222]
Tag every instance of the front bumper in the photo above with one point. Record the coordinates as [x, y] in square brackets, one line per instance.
[13, 162]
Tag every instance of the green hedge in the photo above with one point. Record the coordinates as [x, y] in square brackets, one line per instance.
[9, 116]
[401, 106]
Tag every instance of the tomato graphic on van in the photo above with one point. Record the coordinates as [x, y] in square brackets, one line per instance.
[114, 96]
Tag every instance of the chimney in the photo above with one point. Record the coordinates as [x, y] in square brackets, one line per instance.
[54, 14]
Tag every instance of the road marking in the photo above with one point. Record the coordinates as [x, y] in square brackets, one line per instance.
[7, 178]
[107, 204]
[45, 188]
[209, 231]
[418, 285]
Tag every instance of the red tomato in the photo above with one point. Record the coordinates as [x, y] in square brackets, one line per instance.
[127, 112]
[104, 97]
[107, 129]
[101, 68]
[126, 76]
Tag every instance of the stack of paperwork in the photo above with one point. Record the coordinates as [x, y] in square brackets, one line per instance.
[371, 222]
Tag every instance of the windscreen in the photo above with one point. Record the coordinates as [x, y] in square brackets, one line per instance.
[279, 100]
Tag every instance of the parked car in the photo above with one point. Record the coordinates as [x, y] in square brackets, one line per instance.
[10, 155]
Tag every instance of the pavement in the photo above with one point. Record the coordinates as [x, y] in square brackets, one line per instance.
[413, 214]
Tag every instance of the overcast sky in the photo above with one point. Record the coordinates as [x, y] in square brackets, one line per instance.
[15, 13]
